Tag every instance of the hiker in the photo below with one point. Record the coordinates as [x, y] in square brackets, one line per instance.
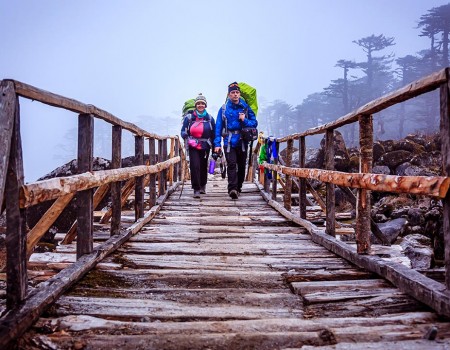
[262, 157]
[198, 133]
[234, 115]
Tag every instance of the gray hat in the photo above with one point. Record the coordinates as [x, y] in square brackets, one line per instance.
[200, 98]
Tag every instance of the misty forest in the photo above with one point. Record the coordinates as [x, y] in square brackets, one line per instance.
[380, 73]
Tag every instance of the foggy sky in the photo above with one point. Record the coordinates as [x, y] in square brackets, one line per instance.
[145, 58]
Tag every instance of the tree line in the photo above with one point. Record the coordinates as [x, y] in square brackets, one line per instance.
[379, 76]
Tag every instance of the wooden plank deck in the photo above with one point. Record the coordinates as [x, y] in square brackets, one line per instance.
[213, 273]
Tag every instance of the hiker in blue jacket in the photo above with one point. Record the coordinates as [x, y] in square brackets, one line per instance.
[234, 115]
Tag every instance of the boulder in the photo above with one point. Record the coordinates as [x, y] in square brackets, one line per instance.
[418, 249]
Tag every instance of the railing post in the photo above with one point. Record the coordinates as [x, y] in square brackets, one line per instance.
[445, 151]
[288, 184]
[16, 234]
[266, 171]
[164, 158]
[116, 193]
[152, 183]
[139, 184]
[171, 155]
[363, 195]
[329, 165]
[302, 189]
[176, 154]
[275, 174]
[85, 217]
[160, 174]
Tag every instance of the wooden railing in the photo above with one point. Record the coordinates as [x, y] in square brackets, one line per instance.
[163, 169]
[431, 292]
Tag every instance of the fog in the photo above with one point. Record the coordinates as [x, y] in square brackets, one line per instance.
[141, 59]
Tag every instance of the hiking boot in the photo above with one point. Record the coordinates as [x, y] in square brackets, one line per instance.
[234, 194]
[203, 189]
[196, 194]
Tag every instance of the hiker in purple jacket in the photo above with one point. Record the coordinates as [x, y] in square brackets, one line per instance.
[234, 115]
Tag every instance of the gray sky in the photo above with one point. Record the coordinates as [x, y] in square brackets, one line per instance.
[138, 58]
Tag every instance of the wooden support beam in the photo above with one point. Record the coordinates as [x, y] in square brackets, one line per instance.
[85, 217]
[152, 183]
[288, 186]
[160, 175]
[331, 200]
[116, 194]
[363, 195]
[373, 225]
[46, 221]
[16, 235]
[445, 151]
[164, 172]
[171, 155]
[7, 108]
[99, 194]
[302, 185]
[139, 181]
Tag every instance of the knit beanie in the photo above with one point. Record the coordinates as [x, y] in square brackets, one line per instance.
[233, 86]
[201, 98]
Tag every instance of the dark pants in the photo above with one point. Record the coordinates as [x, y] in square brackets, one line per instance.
[198, 164]
[236, 160]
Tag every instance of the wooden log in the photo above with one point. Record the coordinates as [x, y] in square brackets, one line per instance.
[152, 183]
[116, 193]
[126, 191]
[85, 207]
[16, 236]
[305, 223]
[416, 88]
[436, 186]
[139, 180]
[373, 225]
[99, 194]
[363, 214]
[171, 155]
[16, 321]
[59, 101]
[445, 151]
[409, 281]
[41, 191]
[160, 175]
[46, 221]
[302, 185]
[7, 108]
[163, 173]
[288, 187]
[330, 196]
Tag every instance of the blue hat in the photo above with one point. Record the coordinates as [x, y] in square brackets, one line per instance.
[233, 86]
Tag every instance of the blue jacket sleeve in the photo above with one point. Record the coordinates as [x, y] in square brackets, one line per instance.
[184, 128]
[218, 131]
[213, 131]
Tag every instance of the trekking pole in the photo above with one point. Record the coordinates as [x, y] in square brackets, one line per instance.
[183, 170]
[250, 159]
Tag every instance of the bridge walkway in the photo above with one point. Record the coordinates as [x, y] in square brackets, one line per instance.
[214, 273]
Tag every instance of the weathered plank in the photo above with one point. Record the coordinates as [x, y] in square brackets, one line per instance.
[7, 110]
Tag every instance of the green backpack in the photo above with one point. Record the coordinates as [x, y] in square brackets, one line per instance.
[189, 105]
[248, 93]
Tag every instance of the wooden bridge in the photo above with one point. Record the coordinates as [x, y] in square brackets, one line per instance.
[182, 273]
